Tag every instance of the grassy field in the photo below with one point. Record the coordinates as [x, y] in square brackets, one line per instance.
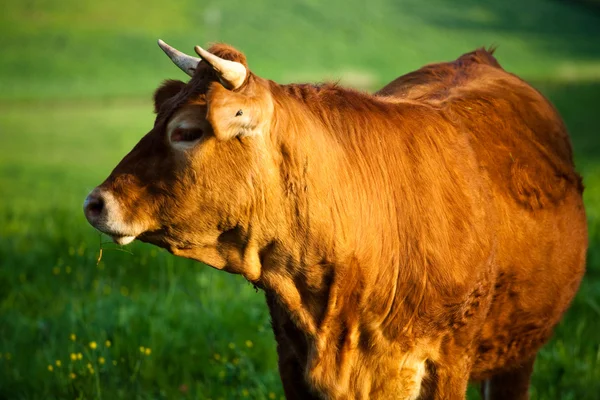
[75, 86]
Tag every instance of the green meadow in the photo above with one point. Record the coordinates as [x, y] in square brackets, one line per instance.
[82, 318]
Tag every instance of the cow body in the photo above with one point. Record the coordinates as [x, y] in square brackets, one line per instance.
[524, 152]
[407, 241]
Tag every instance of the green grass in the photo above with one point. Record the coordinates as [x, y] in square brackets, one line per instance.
[75, 86]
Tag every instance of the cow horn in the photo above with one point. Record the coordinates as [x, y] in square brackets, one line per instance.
[232, 74]
[186, 63]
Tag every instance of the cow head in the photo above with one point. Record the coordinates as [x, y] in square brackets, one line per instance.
[199, 183]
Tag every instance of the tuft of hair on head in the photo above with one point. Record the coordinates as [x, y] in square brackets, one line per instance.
[167, 90]
[492, 48]
[228, 52]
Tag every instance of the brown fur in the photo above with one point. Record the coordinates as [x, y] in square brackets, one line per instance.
[407, 241]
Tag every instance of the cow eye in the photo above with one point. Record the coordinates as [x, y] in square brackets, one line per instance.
[186, 134]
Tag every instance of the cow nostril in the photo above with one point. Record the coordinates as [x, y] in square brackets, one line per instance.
[94, 206]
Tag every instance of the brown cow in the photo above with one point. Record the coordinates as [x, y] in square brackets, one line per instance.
[407, 241]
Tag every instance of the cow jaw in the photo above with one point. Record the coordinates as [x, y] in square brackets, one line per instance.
[243, 260]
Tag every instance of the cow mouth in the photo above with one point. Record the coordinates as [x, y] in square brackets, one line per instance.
[119, 238]
[122, 240]
[155, 237]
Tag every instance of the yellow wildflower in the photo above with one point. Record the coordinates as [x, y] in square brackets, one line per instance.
[73, 357]
[142, 349]
[93, 345]
[72, 375]
[89, 366]
[217, 356]
[73, 337]
[249, 343]
[245, 392]
[232, 346]
[58, 363]
[271, 395]
[50, 368]
[101, 360]
[148, 351]
[107, 343]
[79, 356]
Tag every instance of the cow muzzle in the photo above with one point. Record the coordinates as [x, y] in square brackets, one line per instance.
[104, 213]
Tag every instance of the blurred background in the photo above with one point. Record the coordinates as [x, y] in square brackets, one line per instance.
[76, 79]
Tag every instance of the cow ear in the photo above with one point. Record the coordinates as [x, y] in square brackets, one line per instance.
[167, 90]
[236, 114]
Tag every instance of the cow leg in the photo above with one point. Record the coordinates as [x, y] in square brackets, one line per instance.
[292, 378]
[451, 387]
[512, 384]
[291, 351]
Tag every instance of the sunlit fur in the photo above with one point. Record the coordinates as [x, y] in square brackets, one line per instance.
[406, 241]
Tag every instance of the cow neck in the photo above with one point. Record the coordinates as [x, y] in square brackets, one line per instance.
[324, 271]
